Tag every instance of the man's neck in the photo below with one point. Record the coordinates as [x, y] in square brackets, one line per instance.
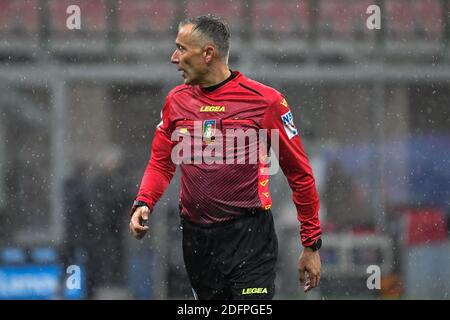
[216, 76]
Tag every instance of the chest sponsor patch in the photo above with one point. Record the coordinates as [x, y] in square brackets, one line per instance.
[289, 126]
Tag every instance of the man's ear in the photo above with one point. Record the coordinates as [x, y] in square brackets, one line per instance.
[209, 53]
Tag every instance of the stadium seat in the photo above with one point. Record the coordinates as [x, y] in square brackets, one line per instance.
[93, 16]
[19, 17]
[406, 19]
[359, 18]
[230, 10]
[400, 18]
[429, 18]
[150, 17]
[425, 226]
[335, 18]
[342, 19]
[12, 255]
[280, 18]
[44, 255]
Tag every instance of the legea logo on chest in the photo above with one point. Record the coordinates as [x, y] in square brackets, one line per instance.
[212, 109]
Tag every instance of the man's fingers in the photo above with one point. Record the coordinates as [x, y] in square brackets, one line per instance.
[136, 224]
[137, 230]
[302, 276]
[138, 234]
[145, 215]
[309, 269]
[307, 286]
[312, 282]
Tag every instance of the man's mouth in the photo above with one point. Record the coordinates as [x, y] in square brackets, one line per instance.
[183, 73]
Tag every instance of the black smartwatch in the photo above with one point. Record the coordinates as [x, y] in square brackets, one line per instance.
[316, 245]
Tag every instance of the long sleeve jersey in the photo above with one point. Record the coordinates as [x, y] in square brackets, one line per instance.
[211, 135]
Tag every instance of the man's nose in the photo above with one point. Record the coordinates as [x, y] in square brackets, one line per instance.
[174, 58]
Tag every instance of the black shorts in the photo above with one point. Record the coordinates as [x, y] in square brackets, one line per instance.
[232, 260]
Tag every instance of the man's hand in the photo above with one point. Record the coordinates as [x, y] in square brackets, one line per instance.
[309, 262]
[138, 223]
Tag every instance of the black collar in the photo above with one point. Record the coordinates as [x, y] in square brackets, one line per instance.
[216, 86]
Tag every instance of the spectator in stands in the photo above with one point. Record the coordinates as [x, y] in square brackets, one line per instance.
[78, 242]
[109, 200]
[347, 205]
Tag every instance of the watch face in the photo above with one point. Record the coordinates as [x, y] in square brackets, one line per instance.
[318, 244]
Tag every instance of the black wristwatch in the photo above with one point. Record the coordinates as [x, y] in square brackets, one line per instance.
[137, 204]
[316, 245]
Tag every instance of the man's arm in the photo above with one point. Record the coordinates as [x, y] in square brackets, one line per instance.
[157, 175]
[295, 165]
[159, 171]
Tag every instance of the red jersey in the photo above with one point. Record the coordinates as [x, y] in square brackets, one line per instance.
[220, 191]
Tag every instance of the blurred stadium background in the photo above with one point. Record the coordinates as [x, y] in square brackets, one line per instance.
[78, 109]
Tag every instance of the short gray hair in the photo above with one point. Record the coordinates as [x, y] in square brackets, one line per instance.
[213, 27]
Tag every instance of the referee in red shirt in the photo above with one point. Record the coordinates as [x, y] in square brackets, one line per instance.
[229, 243]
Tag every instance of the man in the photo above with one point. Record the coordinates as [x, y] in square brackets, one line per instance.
[229, 242]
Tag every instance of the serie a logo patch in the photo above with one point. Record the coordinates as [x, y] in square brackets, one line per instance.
[289, 126]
